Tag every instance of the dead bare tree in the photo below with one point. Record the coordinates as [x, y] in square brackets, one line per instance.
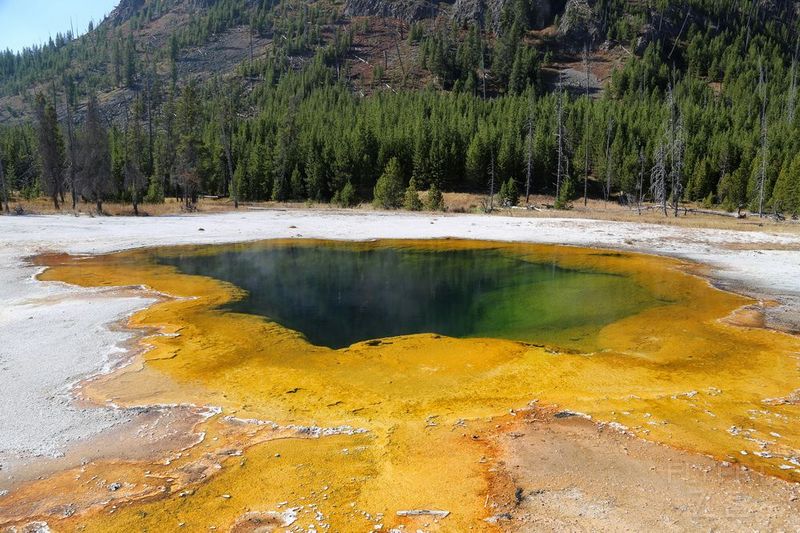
[609, 165]
[151, 95]
[3, 188]
[560, 134]
[680, 32]
[762, 173]
[61, 140]
[676, 162]
[753, 10]
[491, 183]
[586, 130]
[250, 64]
[658, 177]
[676, 149]
[791, 98]
[69, 98]
[529, 143]
[226, 119]
[640, 181]
[483, 64]
[397, 47]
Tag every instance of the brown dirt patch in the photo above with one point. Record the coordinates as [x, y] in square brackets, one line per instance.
[569, 473]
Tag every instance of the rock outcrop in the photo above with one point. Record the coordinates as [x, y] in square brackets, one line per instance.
[577, 25]
[124, 11]
[408, 10]
[486, 12]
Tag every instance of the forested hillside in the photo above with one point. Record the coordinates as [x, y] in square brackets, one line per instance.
[658, 101]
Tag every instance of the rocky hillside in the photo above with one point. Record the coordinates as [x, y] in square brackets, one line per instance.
[142, 40]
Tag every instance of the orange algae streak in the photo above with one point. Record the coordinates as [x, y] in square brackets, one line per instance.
[679, 374]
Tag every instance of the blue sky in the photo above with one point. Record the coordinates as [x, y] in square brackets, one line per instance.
[27, 22]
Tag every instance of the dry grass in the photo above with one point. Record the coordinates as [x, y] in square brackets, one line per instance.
[455, 203]
[600, 210]
[44, 206]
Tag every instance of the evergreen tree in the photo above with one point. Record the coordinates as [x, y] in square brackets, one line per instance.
[283, 158]
[509, 193]
[130, 62]
[435, 200]
[346, 197]
[411, 200]
[51, 150]
[189, 144]
[94, 174]
[786, 197]
[134, 179]
[388, 192]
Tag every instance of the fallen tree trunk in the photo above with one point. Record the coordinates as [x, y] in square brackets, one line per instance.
[424, 512]
[717, 213]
